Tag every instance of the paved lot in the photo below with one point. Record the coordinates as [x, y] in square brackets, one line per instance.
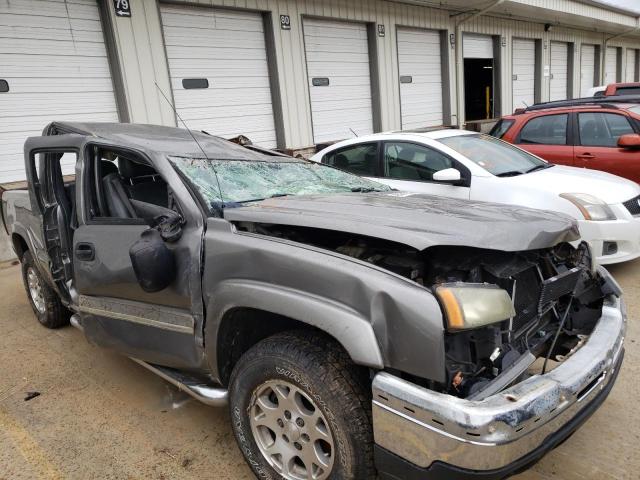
[100, 416]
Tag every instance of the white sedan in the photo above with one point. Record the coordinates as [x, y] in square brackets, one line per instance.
[463, 164]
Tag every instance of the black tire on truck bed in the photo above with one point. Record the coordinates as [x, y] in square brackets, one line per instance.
[308, 378]
[46, 304]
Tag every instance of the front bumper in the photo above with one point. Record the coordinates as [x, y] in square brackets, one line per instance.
[625, 232]
[498, 434]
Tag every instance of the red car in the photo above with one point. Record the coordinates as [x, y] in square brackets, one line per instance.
[601, 136]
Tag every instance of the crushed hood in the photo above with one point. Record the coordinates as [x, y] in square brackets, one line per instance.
[417, 220]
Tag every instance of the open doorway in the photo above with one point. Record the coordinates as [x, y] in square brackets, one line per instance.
[478, 88]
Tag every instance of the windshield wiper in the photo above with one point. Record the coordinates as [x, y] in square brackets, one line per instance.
[510, 173]
[539, 167]
[275, 195]
[364, 189]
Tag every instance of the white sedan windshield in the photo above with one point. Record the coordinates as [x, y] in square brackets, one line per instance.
[241, 181]
[495, 156]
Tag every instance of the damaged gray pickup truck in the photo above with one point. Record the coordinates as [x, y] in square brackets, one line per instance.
[353, 331]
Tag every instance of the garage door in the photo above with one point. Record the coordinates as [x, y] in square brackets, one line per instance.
[524, 72]
[477, 46]
[558, 69]
[219, 71]
[420, 69]
[630, 72]
[611, 64]
[339, 79]
[54, 60]
[587, 68]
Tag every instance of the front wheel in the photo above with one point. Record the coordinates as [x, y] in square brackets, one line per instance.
[44, 300]
[301, 410]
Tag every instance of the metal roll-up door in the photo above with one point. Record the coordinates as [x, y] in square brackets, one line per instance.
[420, 75]
[477, 46]
[630, 72]
[219, 71]
[611, 66]
[339, 79]
[53, 66]
[558, 81]
[587, 68]
[524, 72]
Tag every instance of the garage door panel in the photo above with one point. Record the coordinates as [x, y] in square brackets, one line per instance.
[329, 31]
[213, 53]
[524, 66]
[335, 47]
[51, 28]
[26, 33]
[53, 56]
[228, 49]
[338, 51]
[347, 69]
[214, 67]
[343, 87]
[61, 48]
[477, 45]
[60, 104]
[221, 99]
[587, 69]
[558, 70]
[49, 8]
[630, 71]
[58, 85]
[337, 105]
[611, 63]
[186, 37]
[343, 97]
[419, 58]
[239, 83]
[180, 16]
[327, 57]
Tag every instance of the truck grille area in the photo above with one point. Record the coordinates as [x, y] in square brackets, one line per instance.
[557, 300]
[633, 205]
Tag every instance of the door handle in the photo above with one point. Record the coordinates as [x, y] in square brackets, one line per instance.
[586, 156]
[85, 252]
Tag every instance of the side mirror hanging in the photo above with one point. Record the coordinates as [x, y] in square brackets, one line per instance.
[154, 263]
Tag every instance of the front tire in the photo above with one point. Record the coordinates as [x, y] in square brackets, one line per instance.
[44, 300]
[301, 410]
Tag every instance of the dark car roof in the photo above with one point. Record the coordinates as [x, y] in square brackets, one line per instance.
[165, 140]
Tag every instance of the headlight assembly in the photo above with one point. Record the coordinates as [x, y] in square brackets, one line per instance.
[473, 305]
[592, 208]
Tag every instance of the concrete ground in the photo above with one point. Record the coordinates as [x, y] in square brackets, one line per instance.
[101, 416]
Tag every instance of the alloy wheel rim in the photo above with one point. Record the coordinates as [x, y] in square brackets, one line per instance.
[291, 432]
[35, 290]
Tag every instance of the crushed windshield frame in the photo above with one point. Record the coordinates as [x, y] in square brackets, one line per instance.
[529, 162]
[225, 183]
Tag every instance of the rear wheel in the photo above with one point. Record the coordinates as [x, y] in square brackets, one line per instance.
[301, 410]
[44, 300]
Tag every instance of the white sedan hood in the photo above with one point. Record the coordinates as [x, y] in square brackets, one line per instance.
[561, 179]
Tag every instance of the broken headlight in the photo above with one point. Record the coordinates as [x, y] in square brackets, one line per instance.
[473, 305]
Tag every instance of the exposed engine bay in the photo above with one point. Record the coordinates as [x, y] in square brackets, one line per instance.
[556, 295]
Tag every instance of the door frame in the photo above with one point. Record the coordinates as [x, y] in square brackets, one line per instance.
[58, 261]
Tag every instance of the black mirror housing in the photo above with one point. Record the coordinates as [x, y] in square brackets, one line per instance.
[153, 262]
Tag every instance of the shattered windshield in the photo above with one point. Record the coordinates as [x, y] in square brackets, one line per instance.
[244, 181]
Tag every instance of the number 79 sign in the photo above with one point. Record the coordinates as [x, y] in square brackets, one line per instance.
[122, 7]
